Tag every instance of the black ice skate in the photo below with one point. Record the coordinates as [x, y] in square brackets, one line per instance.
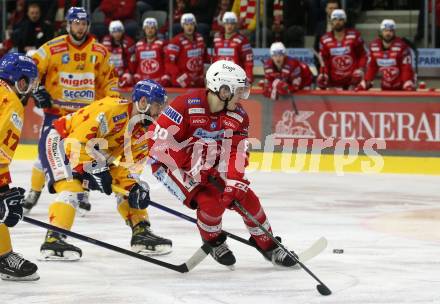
[144, 241]
[84, 205]
[55, 248]
[13, 267]
[220, 251]
[277, 255]
[30, 201]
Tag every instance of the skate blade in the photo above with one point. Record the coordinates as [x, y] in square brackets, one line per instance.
[159, 250]
[26, 211]
[31, 277]
[49, 255]
[231, 267]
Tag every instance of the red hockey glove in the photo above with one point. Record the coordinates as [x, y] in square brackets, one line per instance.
[409, 86]
[282, 88]
[234, 190]
[363, 86]
[296, 85]
[184, 80]
[357, 76]
[322, 81]
[126, 80]
[165, 80]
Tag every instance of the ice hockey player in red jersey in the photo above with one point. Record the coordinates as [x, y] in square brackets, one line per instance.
[185, 55]
[391, 57]
[233, 46]
[121, 48]
[343, 53]
[149, 62]
[204, 133]
[284, 75]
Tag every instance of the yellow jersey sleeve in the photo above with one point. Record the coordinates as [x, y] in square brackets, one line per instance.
[11, 124]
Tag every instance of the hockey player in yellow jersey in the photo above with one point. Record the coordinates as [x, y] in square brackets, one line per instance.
[76, 71]
[89, 141]
[18, 77]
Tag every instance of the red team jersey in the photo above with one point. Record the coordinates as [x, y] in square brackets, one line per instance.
[121, 55]
[393, 64]
[236, 49]
[189, 117]
[184, 60]
[342, 58]
[294, 73]
[150, 61]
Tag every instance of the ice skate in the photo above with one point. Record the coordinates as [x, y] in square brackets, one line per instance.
[220, 251]
[144, 241]
[13, 267]
[55, 248]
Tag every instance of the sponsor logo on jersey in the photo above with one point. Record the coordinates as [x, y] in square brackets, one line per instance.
[173, 47]
[194, 53]
[79, 95]
[119, 117]
[116, 60]
[16, 121]
[230, 124]
[103, 124]
[396, 48]
[65, 58]
[100, 49]
[59, 49]
[169, 183]
[205, 134]
[338, 51]
[77, 80]
[226, 52]
[148, 54]
[235, 116]
[386, 62]
[194, 101]
[198, 120]
[173, 115]
[213, 125]
[196, 111]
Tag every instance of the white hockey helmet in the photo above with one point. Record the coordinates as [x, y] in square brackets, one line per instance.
[115, 26]
[225, 74]
[277, 48]
[229, 17]
[149, 22]
[188, 18]
[338, 14]
[388, 24]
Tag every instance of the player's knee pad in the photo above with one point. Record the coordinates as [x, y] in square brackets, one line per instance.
[70, 198]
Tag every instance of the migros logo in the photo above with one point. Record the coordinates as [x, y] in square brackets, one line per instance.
[77, 80]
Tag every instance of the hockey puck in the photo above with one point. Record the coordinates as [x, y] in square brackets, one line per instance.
[338, 251]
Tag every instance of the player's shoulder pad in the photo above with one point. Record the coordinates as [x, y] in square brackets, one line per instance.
[99, 48]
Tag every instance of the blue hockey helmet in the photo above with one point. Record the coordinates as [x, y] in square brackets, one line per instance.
[76, 13]
[150, 89]
[17, 66]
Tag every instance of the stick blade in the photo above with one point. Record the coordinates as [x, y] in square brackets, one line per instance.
[324, 290]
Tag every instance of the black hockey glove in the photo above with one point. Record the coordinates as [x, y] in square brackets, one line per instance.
[99, 179]
[42, 98]
[11, 211]
[139, 197]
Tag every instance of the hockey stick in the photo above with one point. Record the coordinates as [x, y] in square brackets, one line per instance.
[192, 262]
[316, 248]
[321, 287]
[122, 191]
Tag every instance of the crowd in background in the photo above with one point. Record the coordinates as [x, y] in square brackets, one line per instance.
[123, 27]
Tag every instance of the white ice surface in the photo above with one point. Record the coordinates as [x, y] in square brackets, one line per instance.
[388, 226]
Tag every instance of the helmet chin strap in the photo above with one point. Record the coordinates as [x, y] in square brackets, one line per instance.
[136, 104]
